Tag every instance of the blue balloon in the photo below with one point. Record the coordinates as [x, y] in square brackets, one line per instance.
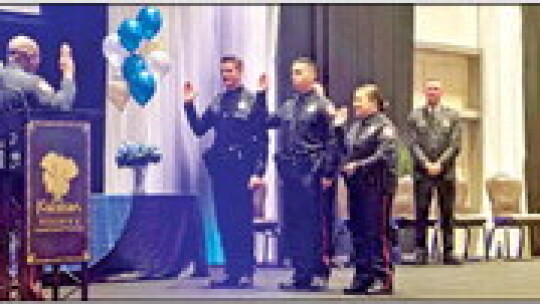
[142, 87]
[130, 34]
[150, 20]
[132, 66]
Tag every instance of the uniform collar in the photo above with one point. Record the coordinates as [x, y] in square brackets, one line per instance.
[433, 109]
[238, 89]
[304, 97]
[371, 117]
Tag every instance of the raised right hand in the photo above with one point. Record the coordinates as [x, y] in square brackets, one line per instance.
[66, 62]
[189, 92]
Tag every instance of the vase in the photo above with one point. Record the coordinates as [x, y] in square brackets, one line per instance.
[139, 177]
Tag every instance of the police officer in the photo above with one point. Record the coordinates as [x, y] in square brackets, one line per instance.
[21, 89]
[236, 163]
[435, 142]
[370, 175]
[328, 207]
[307, 170]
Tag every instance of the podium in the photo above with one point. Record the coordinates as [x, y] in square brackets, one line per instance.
[45, 175]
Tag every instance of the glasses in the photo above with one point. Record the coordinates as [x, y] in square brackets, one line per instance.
[21, 54]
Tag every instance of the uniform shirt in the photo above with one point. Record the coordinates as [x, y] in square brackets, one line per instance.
[306, 126]
[371, 143]
[238, 119]
[435, 136]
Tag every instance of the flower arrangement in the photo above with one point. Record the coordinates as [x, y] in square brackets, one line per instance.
[137, 155]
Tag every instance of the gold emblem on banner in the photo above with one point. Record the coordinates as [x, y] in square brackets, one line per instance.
[58, 172]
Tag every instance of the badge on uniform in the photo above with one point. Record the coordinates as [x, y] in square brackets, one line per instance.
[388, 132]
[371, 130]
[445, 123]
[242, 105]
[311, 108]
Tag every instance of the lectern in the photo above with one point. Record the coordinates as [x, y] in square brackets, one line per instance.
[44, 193]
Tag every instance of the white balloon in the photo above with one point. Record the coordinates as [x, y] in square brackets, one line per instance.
[159, 63]
[118, 93]
[113, 50]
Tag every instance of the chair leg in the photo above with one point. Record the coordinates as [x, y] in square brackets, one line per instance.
[397, 245]
[467, 242]
[434, 243]
[489, 242]
[507, 241]
[521, 242]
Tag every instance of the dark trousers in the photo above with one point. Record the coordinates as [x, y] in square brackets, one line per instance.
[423, 193]
[328, 207]
[369, 212]
[234, 212]
[303, 228]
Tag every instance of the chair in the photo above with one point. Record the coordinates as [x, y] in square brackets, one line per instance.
[403, 211]
[505, 194]
[268, 228]
[465, 218]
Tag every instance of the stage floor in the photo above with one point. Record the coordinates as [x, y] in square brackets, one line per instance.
[496, 279]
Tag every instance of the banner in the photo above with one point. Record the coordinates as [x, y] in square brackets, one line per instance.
[57, 192]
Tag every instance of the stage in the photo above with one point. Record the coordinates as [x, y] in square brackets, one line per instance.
[480, 280]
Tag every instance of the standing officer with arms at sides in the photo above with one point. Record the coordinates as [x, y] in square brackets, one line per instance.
[21, 89]
[329, 205]
[236, 162]
[307, 169]
[370, 169]
[435, 142]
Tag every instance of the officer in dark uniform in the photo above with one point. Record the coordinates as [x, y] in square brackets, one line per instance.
[307, 170]
[435, 142]
[370, 169]
[236, 163]
[21, 89]
[328, 209]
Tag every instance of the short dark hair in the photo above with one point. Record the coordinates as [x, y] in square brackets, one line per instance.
[308, 61]
[237, 61]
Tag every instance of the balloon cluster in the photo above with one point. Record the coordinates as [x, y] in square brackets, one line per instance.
[135, 53]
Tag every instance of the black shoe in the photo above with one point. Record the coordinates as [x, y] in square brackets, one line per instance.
[246, 282]
[299, 286]
[382, 287]
[228, 283]
[450, 260]
[360, 286]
